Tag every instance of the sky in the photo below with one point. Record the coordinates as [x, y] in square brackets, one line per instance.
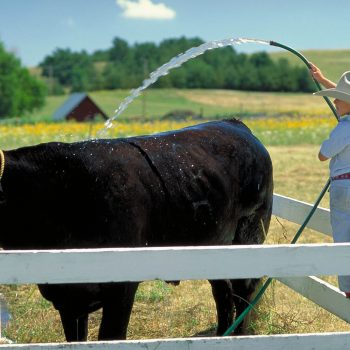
[33, 29]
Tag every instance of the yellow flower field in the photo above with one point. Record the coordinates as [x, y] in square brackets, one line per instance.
[271, 131]
[283, 123]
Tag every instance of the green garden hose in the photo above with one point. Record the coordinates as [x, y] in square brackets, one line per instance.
[262, 290]
[274, 43]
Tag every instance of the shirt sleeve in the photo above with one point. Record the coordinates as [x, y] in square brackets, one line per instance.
[334, 144]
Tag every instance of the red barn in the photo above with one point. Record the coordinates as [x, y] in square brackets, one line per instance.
[79, 106]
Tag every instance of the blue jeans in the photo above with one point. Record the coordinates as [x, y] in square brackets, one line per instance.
[340, 220]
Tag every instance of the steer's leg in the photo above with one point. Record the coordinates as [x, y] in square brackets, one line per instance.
[222, 292]
[75, 329]
[118, 299]
[242, 294]
[250, 230]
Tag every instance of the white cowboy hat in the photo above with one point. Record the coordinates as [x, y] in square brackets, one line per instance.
[341, 91]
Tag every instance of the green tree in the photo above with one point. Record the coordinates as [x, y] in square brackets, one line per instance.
[125, 66]
[145, 57]
[170, 48]
[304, 79]
[178, 78]
[71, 69]
[200, 75]
[19, 91]
[119, 52]
[114, 76]
[100, 56]
[287, 80]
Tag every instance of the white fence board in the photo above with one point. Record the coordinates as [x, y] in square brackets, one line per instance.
[178, 263]
[313, 288]
[319, 341]
[175, 263]
[296, 211]
[322, 293]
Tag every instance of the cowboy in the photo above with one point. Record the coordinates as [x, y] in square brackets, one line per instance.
[337, 149]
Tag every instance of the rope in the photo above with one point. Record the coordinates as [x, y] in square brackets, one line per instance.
[2, 163]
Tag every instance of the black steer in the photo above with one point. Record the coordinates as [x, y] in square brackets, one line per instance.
[209, 184]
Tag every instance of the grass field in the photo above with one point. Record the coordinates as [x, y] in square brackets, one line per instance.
[292, 132]
[221, 102]
[300, 112]
[162, 310]
[208, 103]
[271, 131]
[166, 311]
[332, 62]
[154, 103]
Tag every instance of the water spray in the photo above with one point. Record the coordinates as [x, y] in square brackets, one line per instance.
[191, 53]
[175, 62]
[263, 288]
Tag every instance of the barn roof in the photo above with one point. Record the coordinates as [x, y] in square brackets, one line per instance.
[69, 105]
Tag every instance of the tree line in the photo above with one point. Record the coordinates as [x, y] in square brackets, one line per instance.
[125, 66]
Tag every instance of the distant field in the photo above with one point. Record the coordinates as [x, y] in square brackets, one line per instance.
[332, 62]
[155, 103]
[212, 104]
[271, 131]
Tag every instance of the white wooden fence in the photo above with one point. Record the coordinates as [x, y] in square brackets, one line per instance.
[311, 287]
[287, 263]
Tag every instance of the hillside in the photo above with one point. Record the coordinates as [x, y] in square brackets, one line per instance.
[155, 103]
[211, 104]
[332, 62]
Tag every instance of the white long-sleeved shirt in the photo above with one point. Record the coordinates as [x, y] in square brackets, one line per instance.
[337, 147]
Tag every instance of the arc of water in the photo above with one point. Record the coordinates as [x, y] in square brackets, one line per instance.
[175, 62]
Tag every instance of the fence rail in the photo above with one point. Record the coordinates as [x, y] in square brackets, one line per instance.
[313, 288]
[175, 263]
[319, 341]
[289, 263]
[296, 211]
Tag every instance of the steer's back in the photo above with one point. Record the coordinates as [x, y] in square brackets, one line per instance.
[189, 186]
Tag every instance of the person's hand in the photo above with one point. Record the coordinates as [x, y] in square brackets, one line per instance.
[319, 77]
[316, 73]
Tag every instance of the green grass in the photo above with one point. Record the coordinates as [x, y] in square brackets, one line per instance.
[165, 311]
[289, 137]
[157, 103]
[154, 293]
[162, 310]
[212, 104]
[332, 62]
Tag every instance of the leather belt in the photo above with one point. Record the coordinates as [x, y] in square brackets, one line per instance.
[345, 176]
